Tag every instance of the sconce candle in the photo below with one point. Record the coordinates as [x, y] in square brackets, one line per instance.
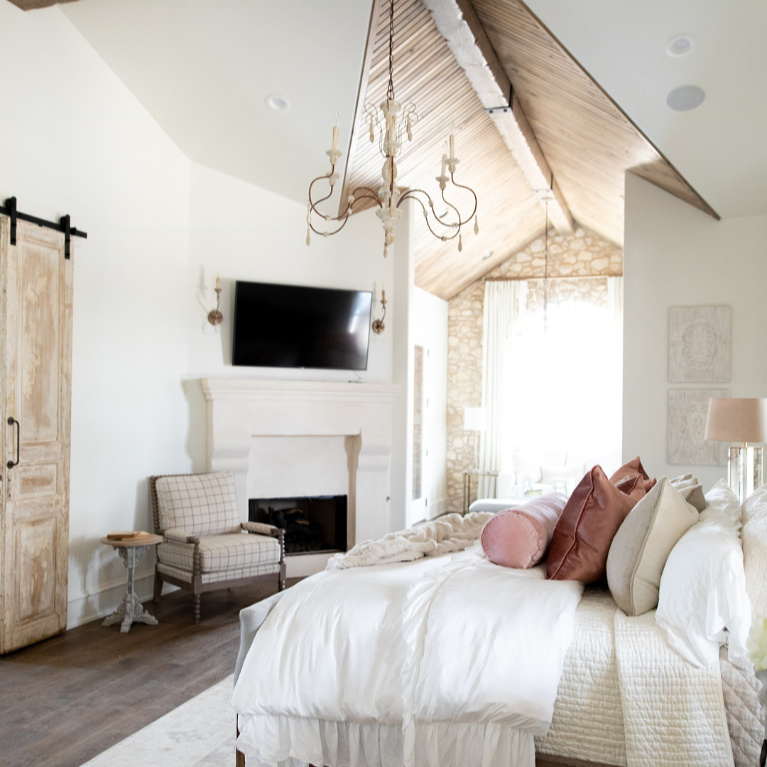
[378, 325]
[214, 315]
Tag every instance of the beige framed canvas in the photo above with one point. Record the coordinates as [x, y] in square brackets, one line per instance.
[687, 411]
[699, 344]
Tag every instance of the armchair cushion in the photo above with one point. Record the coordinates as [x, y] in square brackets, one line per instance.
[220, 553]
[198, 504]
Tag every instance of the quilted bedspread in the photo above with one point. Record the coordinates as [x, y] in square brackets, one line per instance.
[627, 699]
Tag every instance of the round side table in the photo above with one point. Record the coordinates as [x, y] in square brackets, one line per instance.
[131, 547]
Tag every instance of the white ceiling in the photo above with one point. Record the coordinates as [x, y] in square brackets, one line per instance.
[203, 68]
[720, 147]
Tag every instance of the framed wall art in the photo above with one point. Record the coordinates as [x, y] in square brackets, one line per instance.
[699, 344]
[687, 412]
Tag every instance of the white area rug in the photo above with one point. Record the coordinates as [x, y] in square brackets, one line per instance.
[199, 733]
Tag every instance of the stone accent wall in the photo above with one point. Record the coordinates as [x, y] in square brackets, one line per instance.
[581, 254]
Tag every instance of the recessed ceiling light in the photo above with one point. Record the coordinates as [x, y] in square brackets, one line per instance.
[680, 45]
[277, 103]
[685, 97]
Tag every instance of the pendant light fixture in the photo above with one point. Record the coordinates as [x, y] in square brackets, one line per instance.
[394, 123]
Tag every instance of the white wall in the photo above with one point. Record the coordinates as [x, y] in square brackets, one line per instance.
[75, 140]
[251, 234]
[430, 331]
[677, 256]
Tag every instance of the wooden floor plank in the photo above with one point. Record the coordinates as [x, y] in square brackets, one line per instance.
[67, 699]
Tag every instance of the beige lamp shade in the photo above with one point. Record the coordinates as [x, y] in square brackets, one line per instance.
[475, 418]
[737, 420]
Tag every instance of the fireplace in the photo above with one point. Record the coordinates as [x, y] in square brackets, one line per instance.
[304, 439]
[312, 524]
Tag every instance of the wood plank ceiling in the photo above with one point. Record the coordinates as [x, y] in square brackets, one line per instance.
[587, 141]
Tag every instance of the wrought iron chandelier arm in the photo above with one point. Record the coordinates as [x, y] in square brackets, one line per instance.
[412, 194]
[315, 203]
[369, 194]
[326, 233]
[473, 194]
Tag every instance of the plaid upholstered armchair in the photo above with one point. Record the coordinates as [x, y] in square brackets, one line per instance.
[205, 546]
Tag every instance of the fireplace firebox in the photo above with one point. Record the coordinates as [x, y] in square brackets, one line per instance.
[313, 525]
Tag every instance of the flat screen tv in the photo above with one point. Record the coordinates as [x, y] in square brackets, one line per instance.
[293, 326]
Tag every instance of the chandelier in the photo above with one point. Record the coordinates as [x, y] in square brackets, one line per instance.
[391, 128]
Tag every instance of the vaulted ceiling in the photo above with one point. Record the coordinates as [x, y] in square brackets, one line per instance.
[584, 141]
[204, 67]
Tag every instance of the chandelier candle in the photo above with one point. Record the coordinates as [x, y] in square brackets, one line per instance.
[388, 198]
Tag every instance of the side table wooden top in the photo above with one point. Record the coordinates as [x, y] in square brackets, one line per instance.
[127, 540]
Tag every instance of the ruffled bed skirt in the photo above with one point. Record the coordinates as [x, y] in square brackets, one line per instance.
[283, 741]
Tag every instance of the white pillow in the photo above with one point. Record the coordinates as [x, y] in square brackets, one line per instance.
[755, 550]
[703, 592]
[723, 502]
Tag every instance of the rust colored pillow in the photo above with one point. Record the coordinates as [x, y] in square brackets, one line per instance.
[629, 471]
[635, 484]
[582, 537]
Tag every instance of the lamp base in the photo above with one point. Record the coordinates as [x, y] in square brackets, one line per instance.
[745, 470]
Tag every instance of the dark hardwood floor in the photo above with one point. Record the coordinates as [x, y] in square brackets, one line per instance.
[67, 699]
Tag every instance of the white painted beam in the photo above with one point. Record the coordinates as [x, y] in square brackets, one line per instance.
[459, 25]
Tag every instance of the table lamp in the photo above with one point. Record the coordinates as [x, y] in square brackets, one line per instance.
[744, 421]
[475, 419]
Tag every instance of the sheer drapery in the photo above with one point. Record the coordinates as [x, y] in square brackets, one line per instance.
[552, 370]
[505, 302]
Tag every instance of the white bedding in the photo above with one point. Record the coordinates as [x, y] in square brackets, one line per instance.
[439, 662]
[588, 717]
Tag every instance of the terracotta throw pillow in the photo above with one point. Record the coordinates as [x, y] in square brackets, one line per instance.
[631, 470]
[519, 537]
[588, 524]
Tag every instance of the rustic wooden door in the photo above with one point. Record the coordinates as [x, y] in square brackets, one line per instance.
[36, 337]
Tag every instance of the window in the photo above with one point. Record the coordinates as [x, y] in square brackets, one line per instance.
[553, 371]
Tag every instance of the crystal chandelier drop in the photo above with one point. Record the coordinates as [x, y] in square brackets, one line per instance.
[395, 123]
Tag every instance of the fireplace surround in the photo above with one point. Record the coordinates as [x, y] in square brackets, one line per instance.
[285, 439]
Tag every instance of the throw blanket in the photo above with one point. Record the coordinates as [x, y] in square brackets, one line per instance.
[445, 535]
[441, 662]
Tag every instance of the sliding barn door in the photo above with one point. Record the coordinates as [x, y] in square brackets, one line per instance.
[36, 337]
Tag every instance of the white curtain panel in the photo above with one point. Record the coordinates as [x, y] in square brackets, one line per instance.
[505, 303]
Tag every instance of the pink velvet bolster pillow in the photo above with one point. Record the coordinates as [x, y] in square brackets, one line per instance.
[519, 537]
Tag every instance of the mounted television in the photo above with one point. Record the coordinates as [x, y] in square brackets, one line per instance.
[293, 326]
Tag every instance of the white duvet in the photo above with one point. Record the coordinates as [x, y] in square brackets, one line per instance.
[448, 661]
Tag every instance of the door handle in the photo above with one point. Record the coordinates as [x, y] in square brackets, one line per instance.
[11, 422]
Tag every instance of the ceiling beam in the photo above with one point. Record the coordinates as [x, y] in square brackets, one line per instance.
[459, 25]
[31, 5]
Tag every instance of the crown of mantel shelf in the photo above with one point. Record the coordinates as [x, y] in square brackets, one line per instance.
[291, 391]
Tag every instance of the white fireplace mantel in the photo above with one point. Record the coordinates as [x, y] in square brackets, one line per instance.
[241, 412]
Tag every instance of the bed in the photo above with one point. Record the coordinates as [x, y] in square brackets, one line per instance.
[444, 660]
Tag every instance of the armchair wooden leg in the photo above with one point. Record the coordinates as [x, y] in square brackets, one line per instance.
[196, 606]
[157, 587]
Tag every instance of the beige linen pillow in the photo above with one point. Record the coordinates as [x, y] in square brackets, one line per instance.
[691, 490]
[642, 544]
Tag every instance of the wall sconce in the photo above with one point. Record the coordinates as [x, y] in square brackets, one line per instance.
[214, 316]
[378, 325]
